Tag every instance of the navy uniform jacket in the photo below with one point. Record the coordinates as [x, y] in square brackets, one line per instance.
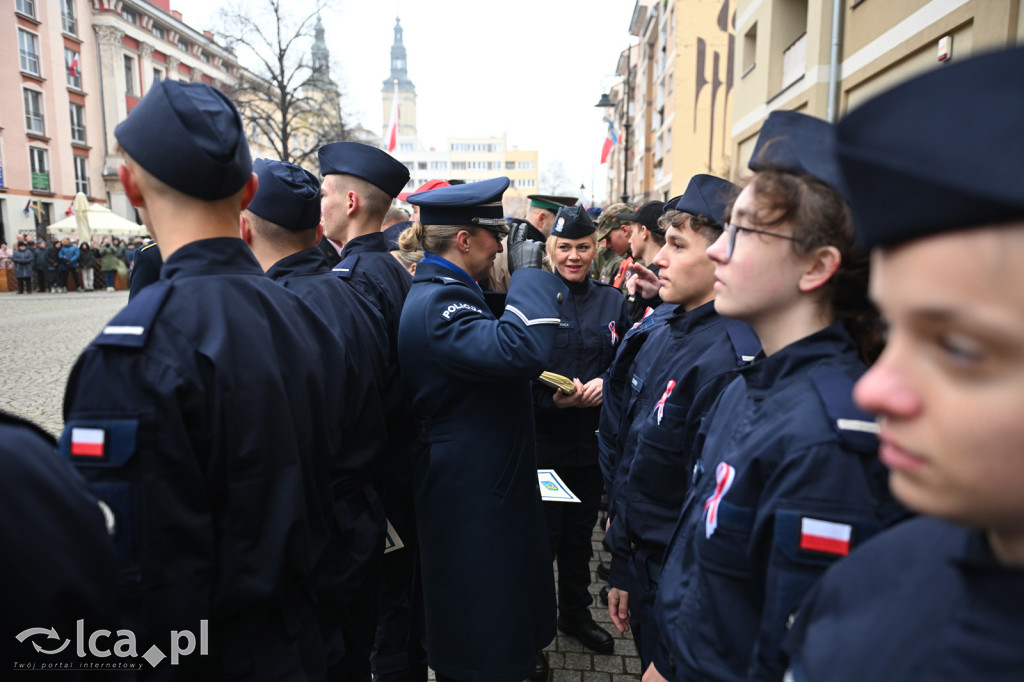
[330, 253]
[59, 562]
[616, 388]
[217, 432]
[147, 269]
[377, 275]
[488, 584]
[787, 482]
[926, 600]
[594, 319]
[689, 361]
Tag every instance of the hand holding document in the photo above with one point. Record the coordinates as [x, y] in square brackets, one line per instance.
[557, 381]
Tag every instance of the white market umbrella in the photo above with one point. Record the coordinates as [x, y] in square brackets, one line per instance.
[80, 205]
[101, 221]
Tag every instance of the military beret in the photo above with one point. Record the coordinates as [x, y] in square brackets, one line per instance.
[595, 212]
[550, 202]
[425, 187]
[610, 219]
[573, 222]
[706, 196]
[647, 215]
[190, 137]
[799, 144]
[288, 196]
[914, 170]
[474, 203]
[376, 166]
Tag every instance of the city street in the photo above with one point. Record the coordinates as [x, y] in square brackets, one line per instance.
[41, 336]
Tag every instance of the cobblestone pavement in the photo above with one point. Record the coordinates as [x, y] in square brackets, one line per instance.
[41, 335]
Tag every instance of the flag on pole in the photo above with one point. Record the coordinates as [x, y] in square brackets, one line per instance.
[28, 205]
[392, 138]
[73, 67]
[610, 141]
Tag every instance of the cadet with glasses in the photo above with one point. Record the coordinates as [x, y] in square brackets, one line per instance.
[786, 481]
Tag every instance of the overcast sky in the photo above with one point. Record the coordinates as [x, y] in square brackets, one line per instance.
[532, 69]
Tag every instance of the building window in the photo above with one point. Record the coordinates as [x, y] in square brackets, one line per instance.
[28, 51]
[421, 165]
[458, 165]
[26, 7]
[205, 58]
[158, 31]
[668, 139]
[77, 123]
[130, 16]
[749, 49]
[527, 165]
[72, 68]
[129, 75]
[405, 147]
[182, 45]
[439, 165]
[67, 17]
[39, 163]
[794, 61]
[510, 165]
[34, 112]
[82, 174]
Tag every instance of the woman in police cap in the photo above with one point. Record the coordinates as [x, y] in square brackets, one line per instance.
[488, 587]
[594, 317]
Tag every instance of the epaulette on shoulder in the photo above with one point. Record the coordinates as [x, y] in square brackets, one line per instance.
[147, 246]
[345, 268]
[744, 342]
[130, 328]
[856, 428]
[443, 279]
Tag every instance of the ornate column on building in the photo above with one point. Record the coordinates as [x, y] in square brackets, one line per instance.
[172, 68]
[112, 89]
[406, 90]
[146, 65]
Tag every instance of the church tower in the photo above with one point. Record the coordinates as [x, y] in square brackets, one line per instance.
[406, 90]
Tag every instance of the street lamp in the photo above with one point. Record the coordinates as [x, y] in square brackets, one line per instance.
[606, 102]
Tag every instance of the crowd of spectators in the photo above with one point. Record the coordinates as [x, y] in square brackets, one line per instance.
[67, 264]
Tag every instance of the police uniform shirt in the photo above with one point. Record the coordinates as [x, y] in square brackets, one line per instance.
[594, 320]
[787, 482]
[211, 441]
[926, 600]
[59, 562]
[478, 511]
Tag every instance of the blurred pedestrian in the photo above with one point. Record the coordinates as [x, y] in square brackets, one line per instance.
[23, 260]
[87, 261]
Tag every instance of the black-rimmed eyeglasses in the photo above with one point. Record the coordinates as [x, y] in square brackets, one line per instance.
[732, 228]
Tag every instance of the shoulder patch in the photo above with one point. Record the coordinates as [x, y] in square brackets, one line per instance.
[130, 328]
[744, 342]
[345, 268]
[856, 428]
[453, 308]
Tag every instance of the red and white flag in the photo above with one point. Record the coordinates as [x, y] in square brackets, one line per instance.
[825, 536]
[392, 138]
[73, 66]
[87, 442]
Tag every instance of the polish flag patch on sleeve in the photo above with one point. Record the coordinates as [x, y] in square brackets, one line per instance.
[829, 537]
[86, 442]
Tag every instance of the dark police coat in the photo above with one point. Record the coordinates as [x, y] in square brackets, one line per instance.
[148, 262]
[594, 320]
[217, 432]
[787, 482]
[488, 585]
[926, 600]
[59, 563]
[359, 521]
[688, 362]
[377, 275]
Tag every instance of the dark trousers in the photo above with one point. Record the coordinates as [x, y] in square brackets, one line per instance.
[570, 526]
[74, 275]
[108, 275]
[644, 571]
[40, 280]
[24, 284]
[51, 278]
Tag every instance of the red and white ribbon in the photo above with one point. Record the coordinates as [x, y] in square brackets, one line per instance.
[659, 407]
[615, 334]
[724, 475]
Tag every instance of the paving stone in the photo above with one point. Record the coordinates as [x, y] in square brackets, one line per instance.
[578, 661]
[566, 676]
[633, 665]
[591, 676]
[608, 663]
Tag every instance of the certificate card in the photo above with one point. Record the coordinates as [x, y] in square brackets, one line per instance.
[391, 539]
[552, 489]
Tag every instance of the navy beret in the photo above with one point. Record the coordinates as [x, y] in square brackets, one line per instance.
[706, 196]
[474, 203]
[393, 232]
[190, 137]
[376, 166]
[595, 211]
[799, 144]
[915, 169]
[573, 222]
[288, 196]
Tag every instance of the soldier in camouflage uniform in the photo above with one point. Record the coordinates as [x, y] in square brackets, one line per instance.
[613, 256]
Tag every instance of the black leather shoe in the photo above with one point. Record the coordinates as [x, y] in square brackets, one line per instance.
[604, 569]
[589, 633]
[603, 594]
[540, 669]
